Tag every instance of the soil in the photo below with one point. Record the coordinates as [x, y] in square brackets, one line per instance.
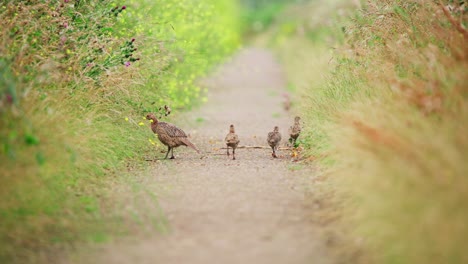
[250, 210]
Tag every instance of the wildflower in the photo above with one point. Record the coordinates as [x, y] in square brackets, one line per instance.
[126, 119]
[151, 141]
[66, 1]
[127, 63]
[294, 153]
[141, 124]
[124, 7]
[9, 98]
[133, 39]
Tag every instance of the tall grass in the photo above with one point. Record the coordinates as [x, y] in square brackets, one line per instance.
[76, 77]
[391, 114]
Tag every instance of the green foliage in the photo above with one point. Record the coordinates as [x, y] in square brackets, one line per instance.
[187, 42]
[76, 79]
[258, 15]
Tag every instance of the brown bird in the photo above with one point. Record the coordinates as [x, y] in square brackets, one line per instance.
[169, 135]
[295, 131]
[232, 140]
[274, 139]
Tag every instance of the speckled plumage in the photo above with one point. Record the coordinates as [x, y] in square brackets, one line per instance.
[295, 131]
[232, 140]
[170, 135]
[274, 139]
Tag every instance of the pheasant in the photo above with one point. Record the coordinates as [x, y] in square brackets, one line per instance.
[294, 131]
[232, 140]
[169, 135]
[274, 139]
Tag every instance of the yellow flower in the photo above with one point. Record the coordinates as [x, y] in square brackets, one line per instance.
[126, 119]
[141, 124]
[151, 141]
[294, 153]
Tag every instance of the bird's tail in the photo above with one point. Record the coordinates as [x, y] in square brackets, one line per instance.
[191, 145]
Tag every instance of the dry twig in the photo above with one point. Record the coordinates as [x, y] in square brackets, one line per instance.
[452, 20]
[260, 147]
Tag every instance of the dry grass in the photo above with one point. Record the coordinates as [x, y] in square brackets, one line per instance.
[390, 116]
[403, 150]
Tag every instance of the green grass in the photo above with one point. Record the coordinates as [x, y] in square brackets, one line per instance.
[76, 80]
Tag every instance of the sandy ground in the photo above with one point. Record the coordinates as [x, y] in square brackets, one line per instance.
[249, 210]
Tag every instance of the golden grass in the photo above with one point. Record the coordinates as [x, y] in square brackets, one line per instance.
[391, 116]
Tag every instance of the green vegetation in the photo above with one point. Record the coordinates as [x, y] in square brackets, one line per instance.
[383, 96]
[76, 78]
[258, 15]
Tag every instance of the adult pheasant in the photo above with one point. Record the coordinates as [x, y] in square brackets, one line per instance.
[170, 135]
[232, 140]
[295, 131]
[274, 139]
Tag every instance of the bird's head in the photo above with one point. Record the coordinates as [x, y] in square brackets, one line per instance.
[151, 116]
[297, 119]
[276, 129]
[231, 128]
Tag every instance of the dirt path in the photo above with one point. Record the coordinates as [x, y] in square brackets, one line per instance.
[251, 210]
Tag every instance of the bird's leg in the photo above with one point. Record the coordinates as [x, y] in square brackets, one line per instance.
[233, 153]
[227, 147]
[172, 153]
[168, 149]
[273, 154]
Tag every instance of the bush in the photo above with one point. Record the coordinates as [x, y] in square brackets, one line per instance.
[258, 15]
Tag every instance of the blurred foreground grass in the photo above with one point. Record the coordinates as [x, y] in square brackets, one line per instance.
[382, 90]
